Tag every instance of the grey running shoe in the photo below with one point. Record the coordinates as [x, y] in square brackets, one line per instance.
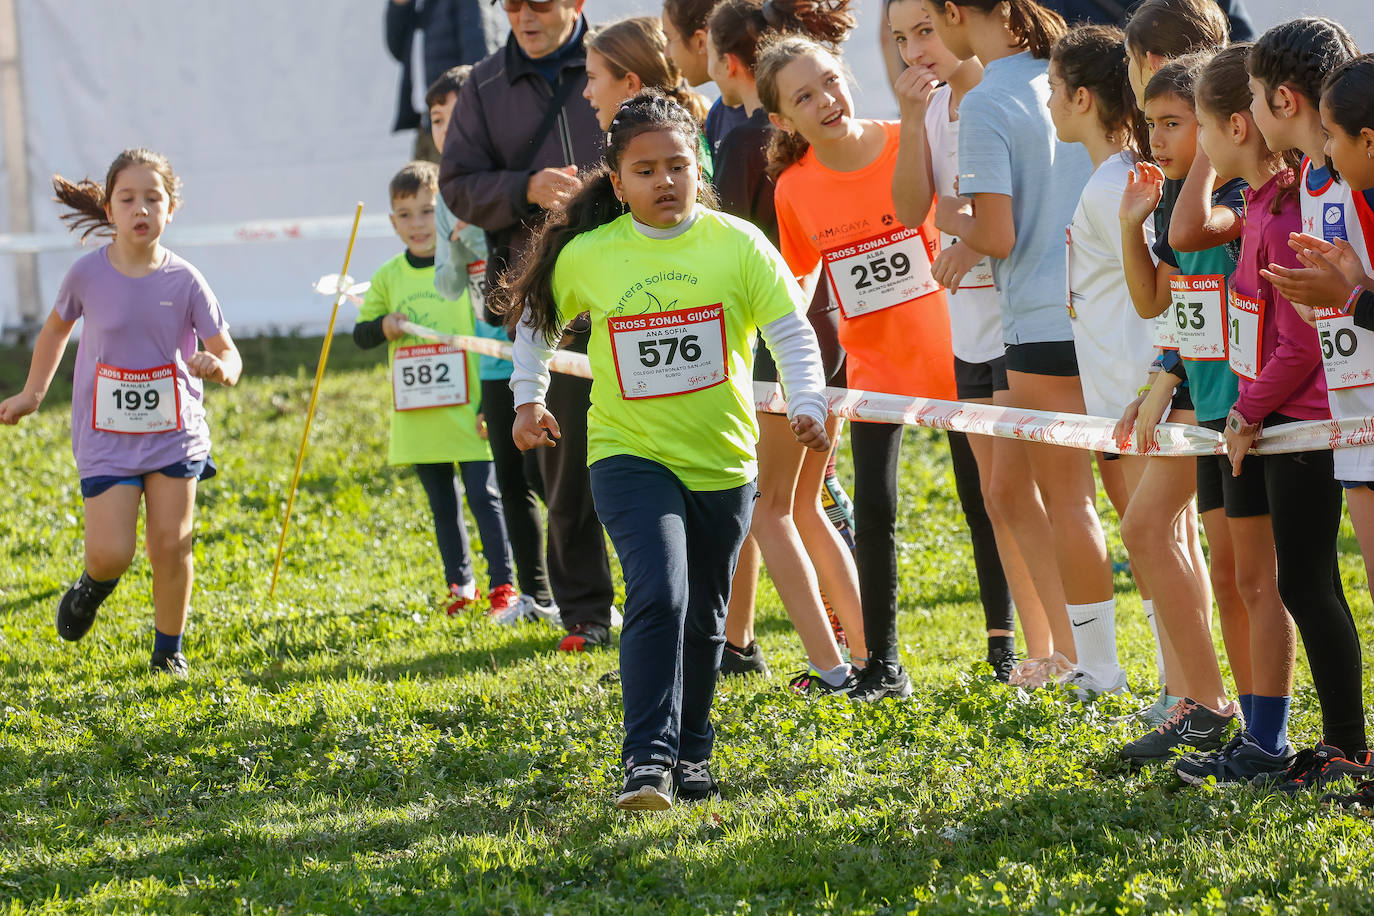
[648, 787]
[1241, 760]
[1085, 686]
[1190, 724]
[882, 678]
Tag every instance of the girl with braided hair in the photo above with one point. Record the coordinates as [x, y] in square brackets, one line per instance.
[676, 293]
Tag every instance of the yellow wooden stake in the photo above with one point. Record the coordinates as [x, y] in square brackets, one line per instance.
[314, 398]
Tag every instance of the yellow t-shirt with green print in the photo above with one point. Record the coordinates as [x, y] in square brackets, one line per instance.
[672, 341]
[434, 434]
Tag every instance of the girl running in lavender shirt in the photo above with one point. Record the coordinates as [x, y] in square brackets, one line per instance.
[138, 422]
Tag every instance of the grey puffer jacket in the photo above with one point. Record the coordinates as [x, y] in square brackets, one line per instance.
[499, 108]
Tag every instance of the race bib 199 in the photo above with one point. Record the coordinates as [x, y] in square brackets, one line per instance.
[1245, 324]
[1347, 351]
[667, 353]
[136, 401]
[880, 272]
[429, 375]
[1199, 311]
[477, 285]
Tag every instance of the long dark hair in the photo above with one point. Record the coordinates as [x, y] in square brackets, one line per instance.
[1299, 54]
[528, 296]
[86, 200]
[1349, 94]
[1037, 28]
[1173, 28]
[1093, 57]
[1223, 89]
[738, 26]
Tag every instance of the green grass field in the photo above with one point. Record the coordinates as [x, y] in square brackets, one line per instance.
[346, 747]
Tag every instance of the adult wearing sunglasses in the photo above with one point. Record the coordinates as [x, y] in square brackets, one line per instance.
[519, 134]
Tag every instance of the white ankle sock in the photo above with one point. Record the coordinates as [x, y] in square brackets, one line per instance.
[835, 676]
[1154, 628]
[1094, 637]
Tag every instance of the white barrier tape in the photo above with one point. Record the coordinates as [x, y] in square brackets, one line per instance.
[308, 229]
[1071, 430]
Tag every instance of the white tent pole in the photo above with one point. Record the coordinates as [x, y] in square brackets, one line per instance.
[15, 162]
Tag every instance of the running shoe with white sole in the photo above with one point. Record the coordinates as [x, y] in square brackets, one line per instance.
[882, 678]
[1240, 760]
[527, 610]
[1318, 767]
[1086, 686]
[693, 782]
[462, 597]
[501, 599]
[1190, 724]
[648, 787]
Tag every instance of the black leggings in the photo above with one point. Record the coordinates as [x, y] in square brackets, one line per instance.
[1305, 512]
[517, 477]
[877, 449]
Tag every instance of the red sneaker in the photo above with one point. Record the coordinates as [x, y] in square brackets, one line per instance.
[585, 636]
[462, 597]
[502, 599]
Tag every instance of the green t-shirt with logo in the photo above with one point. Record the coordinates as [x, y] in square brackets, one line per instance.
[427, 435]
[672, 341]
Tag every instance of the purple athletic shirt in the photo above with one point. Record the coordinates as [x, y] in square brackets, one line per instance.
[137, 324]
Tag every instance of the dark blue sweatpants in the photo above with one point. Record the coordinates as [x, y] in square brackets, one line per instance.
[677, 549]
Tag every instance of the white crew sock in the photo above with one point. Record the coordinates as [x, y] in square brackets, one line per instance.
[1149, 606]
[835, 676]
[1094, 637]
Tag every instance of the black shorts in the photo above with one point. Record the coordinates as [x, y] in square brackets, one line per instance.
[1182, 399]
[1243, 496]
[1052, 357]
[979, 380]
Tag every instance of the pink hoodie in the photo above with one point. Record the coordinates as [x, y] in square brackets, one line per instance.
[1290, 380]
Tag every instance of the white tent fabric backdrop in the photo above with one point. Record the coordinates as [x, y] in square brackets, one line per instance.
[272, 110]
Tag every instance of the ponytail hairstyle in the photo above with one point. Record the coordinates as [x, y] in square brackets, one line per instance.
[1300, 54]
[1173, 28]
[738, 26]
[636, 45]
[1223, 89]
[1036, 28]
[1093, 57]
[87, 200]
[1178, 78]
[1349, 95]
[526, 293]
[784, 147]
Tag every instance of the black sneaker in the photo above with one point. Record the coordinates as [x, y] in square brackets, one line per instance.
[749, 660]
[1002, 662]
[173, 663]
[882, 678]
[1362, 799]
[1318, 767]
[76, 610]
[1241, 760]
[811, 682]
[1190, 724]
[692, 781]
[584, 636]
[648, 787]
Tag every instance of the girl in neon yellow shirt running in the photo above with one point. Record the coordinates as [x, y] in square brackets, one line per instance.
[675, 292]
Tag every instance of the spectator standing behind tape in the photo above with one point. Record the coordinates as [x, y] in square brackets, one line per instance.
[452, 32]
[523, 131]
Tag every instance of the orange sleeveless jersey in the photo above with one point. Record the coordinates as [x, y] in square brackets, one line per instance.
[900, 349]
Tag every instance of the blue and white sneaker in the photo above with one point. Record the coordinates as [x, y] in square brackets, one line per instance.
[1240, 760]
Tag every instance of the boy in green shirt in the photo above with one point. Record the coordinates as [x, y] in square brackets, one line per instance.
[434, 421]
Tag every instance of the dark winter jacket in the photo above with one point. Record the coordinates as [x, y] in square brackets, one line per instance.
[499, 108]
[455, 32]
